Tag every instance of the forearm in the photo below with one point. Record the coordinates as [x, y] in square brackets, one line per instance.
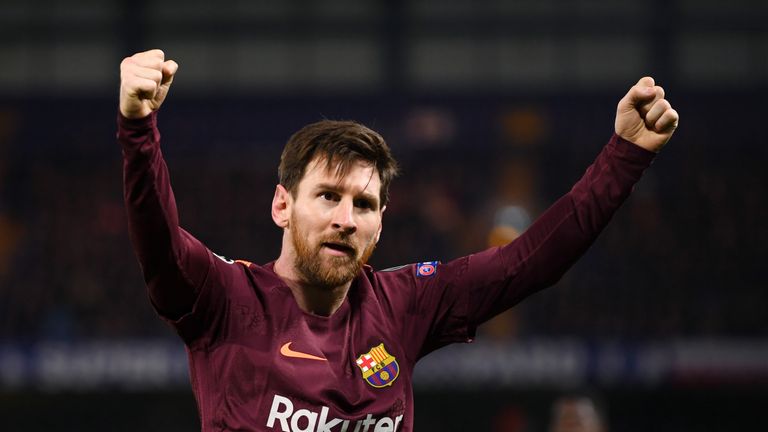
[569, 227]
[560, 236]
[173, 262]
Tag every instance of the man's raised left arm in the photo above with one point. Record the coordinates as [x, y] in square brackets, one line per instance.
[487, 283]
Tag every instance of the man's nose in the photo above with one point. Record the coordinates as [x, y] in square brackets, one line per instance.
[344, 218]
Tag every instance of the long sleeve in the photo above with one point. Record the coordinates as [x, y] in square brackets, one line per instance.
[450, 301]
[175, 264]
[560, 236]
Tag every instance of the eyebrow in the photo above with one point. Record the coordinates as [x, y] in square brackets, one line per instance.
[333, 187]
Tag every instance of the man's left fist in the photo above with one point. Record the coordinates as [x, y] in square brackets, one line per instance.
[644, 117]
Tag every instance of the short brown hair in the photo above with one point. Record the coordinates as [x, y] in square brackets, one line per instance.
[339, 144]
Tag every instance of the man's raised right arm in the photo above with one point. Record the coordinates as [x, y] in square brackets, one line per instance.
[174, 263]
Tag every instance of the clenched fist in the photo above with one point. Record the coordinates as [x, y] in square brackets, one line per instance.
[145, 79]
[644, 117]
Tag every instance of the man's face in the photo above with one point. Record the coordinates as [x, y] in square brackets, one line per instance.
[335, 222]
[576, 415]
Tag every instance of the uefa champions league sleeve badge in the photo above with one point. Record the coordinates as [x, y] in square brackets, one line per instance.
[426, 269]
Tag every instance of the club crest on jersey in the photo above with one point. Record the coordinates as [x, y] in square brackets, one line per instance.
[428, 268]
[379, 368]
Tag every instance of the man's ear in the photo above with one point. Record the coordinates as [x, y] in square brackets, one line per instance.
[381, 224]
[281, 206]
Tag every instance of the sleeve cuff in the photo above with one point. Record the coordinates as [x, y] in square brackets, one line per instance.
[630, 151]
[133, 134]
[136, 125]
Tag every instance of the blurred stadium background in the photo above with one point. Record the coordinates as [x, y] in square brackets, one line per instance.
[494, 109]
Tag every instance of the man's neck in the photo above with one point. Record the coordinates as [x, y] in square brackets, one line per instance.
[311, 299]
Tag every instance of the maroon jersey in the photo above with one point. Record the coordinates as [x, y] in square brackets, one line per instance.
[258, 362]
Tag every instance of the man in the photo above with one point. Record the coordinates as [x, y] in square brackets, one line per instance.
[576, 413]
[316, 340]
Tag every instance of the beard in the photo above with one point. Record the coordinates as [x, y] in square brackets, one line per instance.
[327, 272]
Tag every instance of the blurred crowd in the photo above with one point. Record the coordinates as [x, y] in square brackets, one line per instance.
[678, 260]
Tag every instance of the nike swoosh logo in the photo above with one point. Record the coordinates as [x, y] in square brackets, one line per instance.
[288, 352]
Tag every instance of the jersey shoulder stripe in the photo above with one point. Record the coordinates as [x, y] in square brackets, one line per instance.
[229, 261]
[391, 269]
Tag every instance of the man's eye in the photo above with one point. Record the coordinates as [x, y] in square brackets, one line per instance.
[330, 196]
[364, 204]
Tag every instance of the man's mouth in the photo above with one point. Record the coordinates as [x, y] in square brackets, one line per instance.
[339, 247]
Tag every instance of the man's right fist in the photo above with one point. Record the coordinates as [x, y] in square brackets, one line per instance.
[145, 79]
